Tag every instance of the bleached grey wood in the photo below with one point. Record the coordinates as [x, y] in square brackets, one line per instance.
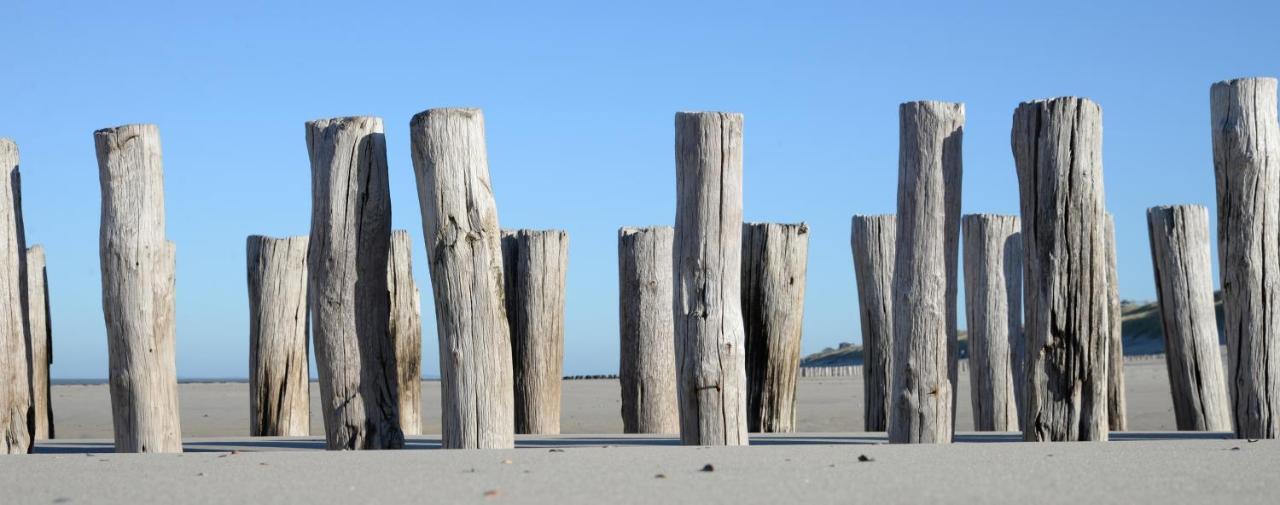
[1057, 147]
[347, 283]
[872, 239]
[535, 263]
[647, 366]
[952, 180]
[707, 255]
[40, 341]
[993, 288]
[279, 394]
[1246, 162]
[460, 228]
[15, 390]
[1183, 268]
[774, 260]
[137, 290]
[406, 330]
[1117, 416]
[930, 136]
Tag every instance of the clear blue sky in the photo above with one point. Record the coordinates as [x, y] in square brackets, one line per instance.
[579, 99]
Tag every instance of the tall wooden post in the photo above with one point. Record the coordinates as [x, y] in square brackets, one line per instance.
[1246, 161]
[872, 239]
[279, 393]
[1117, 416]
[1184, 288]
[535, 263]
[15, 390]
[40, 341]
[930, 136]
[460, 228]
[406, 330]
[774, 260]
[646, 368]
[1057, 147]
[993, 303]
[710, 354]
[137, 290]
[952, 180]
[347, 285]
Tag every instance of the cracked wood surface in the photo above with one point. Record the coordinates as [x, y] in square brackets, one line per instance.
[1117, 411]
[406, 330]
[535, 263]
[647, 368]
[872, 239]
[774, 260]
[279, 398]
[15, 386]
[40, 342]
[993, 306]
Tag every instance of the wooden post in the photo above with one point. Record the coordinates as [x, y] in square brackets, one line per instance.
[647, 368]
[535, 263]
[460, 227]
[952, 180]
[872, 240]
[347, 284]
[406, 330]
[40, 341]
[1057, 147]
[993, 294]
[1117, 418]
[774, 259]
[1184, 288]
[1246, 161]
[710, 357]
[137, 290]
[15, 390]
[279, 393]
[930, 138]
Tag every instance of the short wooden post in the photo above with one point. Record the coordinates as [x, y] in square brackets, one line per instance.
[15, 390]
[710, 354]
[137, 290]
[1184, 288]
[930, 136]
[872, 240]
[1246, 161]
[1057, 147]
[406, 330]
[279, 393]
[647, 368]
[460, 228]
[993, 303]
[535, 263]
[40, 341]
[774, 260]
[1117, 417]
[347, 283]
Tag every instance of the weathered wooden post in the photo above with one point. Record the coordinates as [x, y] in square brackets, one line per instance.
[710, 357]
[347, 283]
[137, 290]
[993, 294]
[535, 263]
[40, 341]
[1184, 288]
[952, 180]
[647, 367]
[15, 390]
[406, 330]
[774, 260]
[1246, 161]
[872, 239]
[1057, 147]
[930, 135]
[279, 394]
[1117, 417]
[460, 228]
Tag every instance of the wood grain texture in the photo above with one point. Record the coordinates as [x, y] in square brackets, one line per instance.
[347, 283]
[279, 376]
[647, 366]
[774, 261]
[1057, 147]
[460, 228]
[15, 387]
[952, 181]
[872, 240]
[535, 263]
[137, 290]
[707, 255]
[40, 341]
[1117, 411]
[1246, 163]
[993, 309]
[930, 136]
[406, 330]
[1183, 268]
